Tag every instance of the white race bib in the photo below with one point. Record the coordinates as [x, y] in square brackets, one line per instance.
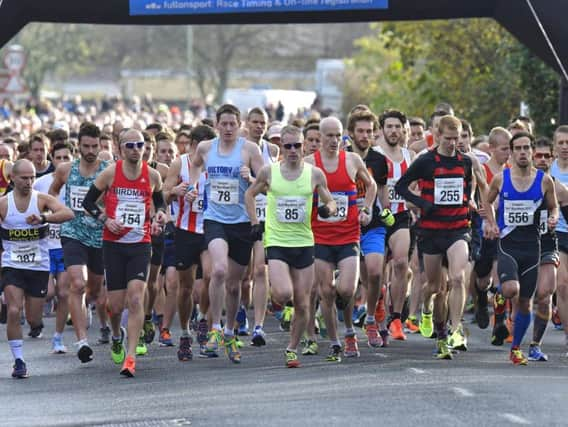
[26, 253]
[197, 205]
[291, 209]
[448, 191]
[543, 224]
[225, 191]
[394, 197]
[342, 203]
[261, 207]
[131, 214]
[519, 212]
[54, 231]
[76, 196]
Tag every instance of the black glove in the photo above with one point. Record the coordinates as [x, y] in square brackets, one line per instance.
[323, 211]
[170, 230]
[256, 231]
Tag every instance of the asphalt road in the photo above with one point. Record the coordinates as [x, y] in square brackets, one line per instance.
[401, 385]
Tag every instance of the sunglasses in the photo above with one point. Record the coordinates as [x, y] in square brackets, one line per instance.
[542, 155]
[132, 145]
[296, 145]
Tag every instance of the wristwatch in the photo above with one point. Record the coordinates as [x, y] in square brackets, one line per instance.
[43, 218]
[366, 210]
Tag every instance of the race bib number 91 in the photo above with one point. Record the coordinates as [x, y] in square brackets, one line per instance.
[448, 191]
[261, 207]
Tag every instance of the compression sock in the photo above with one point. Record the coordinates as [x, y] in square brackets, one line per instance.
[522, 323]
[539, 326]
[17, 347]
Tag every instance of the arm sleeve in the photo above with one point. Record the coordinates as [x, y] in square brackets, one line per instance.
[564, 210]
[159, 201]
[90, 202]
[415, 172]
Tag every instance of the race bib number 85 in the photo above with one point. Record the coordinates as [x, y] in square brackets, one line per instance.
[291, 209]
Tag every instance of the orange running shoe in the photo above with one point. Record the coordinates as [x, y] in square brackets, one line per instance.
[129, 367]
[380, 312]
[396, 330]
[411, 325]
[373, 338]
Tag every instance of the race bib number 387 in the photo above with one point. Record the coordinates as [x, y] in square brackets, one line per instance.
[448, 191]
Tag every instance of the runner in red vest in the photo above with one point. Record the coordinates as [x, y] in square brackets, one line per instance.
[129, 186]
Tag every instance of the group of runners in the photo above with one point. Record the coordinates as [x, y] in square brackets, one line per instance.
[385, 218]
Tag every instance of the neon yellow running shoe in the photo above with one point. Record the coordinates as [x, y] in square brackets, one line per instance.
[232, 350]
[443, 352]
[426, 325]
[141, 349]
[117, 350]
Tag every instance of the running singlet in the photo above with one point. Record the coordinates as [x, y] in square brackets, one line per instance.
[129, 201]
[343, 227]
[518, 215]
[225, 189]
[261, 198]
[288, 210]
[4, 180]
[82, 227]
[25, 246]
[396, 170]
[190, 215]
[562, 226]
[42, 185]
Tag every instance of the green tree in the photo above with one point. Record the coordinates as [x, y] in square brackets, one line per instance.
[475, 64]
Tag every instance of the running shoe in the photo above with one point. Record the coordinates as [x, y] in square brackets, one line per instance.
[555, 319]
[258, 337]
[149, 331]
[242, 321]
[334, 354]
[35, 331]
[517, 357]
[311, 348]
[426, 325]
[105, 335]
[286, 321]
[215, 339]
[240, 344]
[458, 340]
[141, 349]
[411, 325]
[373, 338]
[232, 350]
[396, 331]
[292, 359]
[481, 310]
[359, 314]
[202, 332]
[499, 334]
[536, 354]
[166, 338]
[117, 350]
[384, 337]
[129, 367]
[57, 346]
[351, 346]
[184, 351]
[443, 351]
[85, 353]
[20, 370]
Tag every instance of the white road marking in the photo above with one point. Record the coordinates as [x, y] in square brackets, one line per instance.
[417, 371]
[515, 419]
[462, 392]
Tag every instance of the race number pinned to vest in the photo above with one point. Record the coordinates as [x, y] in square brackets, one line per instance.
[26, 253]
[261, 207]
[54, 231]
[76, 196]
[225, 191]
[290, 209]
[197, 205]
[342, 203]
[131, 214]
[394, 197]
[543, 223]
[519, 212]
[448, 191]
